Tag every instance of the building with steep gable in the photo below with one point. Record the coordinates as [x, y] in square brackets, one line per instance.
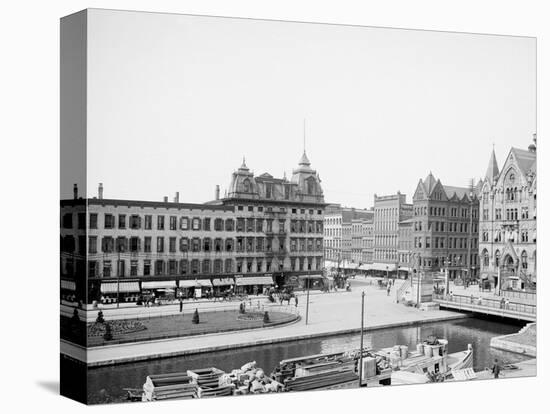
[508, 223]
[445, 229]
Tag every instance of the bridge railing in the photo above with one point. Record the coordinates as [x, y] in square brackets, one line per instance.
[496, 304]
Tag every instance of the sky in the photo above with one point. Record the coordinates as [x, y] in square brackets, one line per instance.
[175, 102]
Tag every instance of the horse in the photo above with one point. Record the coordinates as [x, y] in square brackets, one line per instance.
[286, 297]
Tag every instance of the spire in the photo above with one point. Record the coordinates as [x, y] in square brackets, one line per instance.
[492, 169]
[304, 160]
[429, 182]
[243, 166]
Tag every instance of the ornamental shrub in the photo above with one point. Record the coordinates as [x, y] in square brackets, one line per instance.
[196, 317]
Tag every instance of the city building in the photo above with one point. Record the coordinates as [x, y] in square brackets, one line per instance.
[345, 230]
[508, 222]
[445, 229]
[405, 245]
[267, 231]
[389, 211]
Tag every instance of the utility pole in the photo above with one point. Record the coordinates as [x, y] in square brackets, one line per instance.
[118, 279]
[362, 328]
[307, 300]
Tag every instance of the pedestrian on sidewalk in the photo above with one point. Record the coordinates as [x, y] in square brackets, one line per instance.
[181, 305]
[496, 369]
[296, 300]
[388, 289]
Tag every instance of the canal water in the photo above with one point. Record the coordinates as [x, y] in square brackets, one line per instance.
[105, 384]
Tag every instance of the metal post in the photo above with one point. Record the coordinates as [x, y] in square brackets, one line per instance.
[118, 280]
[418, 291]
[362, 328]
[307, 302]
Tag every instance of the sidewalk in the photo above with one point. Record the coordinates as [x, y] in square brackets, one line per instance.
[328, 314]
[474, 290]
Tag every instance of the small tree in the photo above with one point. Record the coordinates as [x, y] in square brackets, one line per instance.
[108, 332]
[266, 317]
[100, 318]
[196, 317]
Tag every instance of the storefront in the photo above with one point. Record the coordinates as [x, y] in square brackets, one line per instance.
[155, 291]
[195, 289]
[125, 291]
[222, 287]
[312, 282]
[252, 285]
[68, 290]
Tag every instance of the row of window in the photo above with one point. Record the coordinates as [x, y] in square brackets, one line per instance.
[196, 223]
[260, 209]
[110, 244]
[451, 227]
[122, 268]
[439, 243]
[511, 214]
[441, 211]
[523, 236]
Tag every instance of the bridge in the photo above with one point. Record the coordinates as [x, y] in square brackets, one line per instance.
[488, 306]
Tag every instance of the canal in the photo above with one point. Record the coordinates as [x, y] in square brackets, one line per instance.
[105, 384]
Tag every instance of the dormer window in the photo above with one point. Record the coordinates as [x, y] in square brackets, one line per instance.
[246, 185]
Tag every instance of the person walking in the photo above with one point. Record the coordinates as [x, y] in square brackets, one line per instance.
[296, 300]
[388, 289]
[181, 305]
[496, 369]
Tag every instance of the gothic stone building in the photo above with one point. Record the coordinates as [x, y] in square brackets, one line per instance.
[445, 229]
[508, 224]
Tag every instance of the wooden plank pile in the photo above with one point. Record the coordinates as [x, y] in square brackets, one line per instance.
[208, 382]
[169, 386]
[320, 380]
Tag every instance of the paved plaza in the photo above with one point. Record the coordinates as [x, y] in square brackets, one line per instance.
[329, 313]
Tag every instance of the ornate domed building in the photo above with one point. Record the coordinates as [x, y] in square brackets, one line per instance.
[279, 224]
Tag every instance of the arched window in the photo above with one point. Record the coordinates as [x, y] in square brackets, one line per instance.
[524, 260]
[497, 258]
[246, 185]
[485, 256]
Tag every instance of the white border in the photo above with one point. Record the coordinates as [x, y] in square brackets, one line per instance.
[30, 138]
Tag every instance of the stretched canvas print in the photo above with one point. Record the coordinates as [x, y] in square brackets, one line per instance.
[253, 206]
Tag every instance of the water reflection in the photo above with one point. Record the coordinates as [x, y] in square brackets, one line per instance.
[106, 384]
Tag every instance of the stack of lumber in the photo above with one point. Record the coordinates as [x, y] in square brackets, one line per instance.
[321, 380]
[169, 386]
[208, 382]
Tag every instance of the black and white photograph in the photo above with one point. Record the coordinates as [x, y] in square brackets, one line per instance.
[256, 206]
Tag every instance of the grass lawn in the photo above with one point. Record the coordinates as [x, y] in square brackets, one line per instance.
[145, 329]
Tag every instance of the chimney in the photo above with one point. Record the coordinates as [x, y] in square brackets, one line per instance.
[100, 191]
[217, 192]
[177, 197]
[165, 199]
[75, 191]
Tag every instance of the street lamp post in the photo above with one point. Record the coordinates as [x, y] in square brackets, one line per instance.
[307, 299]
[362, 328]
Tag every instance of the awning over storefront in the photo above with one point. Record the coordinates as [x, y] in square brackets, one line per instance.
[68, 284]
[390, 267]
[205, 283]
[488, 275]
[254, 280]
[405, 269]
[311, 277]
[223, 282]
[158, 284]
[122, 287]
[188, 284]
